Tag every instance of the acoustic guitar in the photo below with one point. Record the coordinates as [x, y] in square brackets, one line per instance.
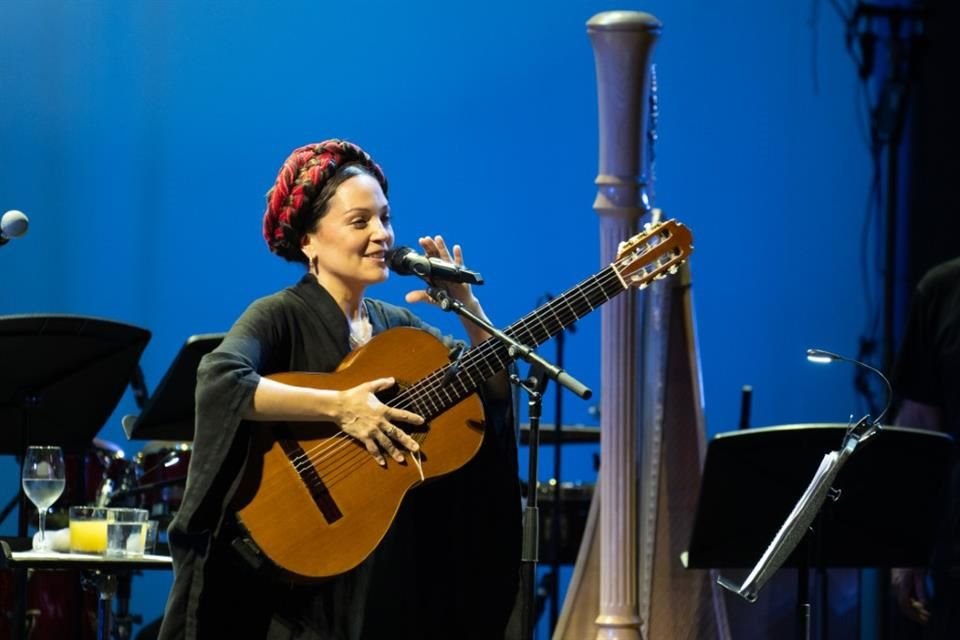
[313, 500]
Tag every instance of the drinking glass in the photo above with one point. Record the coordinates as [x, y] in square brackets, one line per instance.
[88, 529]
[126, 529]
[43, 480]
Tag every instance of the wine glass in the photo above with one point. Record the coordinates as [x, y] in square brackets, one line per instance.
[43, 480]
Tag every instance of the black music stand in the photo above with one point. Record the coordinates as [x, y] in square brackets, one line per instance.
[887, 513]
[61, 377]
[169, 413]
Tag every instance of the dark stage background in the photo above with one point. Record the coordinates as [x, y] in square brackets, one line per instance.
[140, 138]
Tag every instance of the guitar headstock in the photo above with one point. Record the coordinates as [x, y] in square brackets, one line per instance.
[653, 254]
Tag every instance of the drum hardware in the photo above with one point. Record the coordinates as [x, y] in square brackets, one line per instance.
[163, 476]
[564, 553]
[117, 473]
[571, 514]
[569, 434]
[171, 458]
[123, 620]
[144, 488]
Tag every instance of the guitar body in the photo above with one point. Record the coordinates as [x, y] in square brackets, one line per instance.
[313, 499]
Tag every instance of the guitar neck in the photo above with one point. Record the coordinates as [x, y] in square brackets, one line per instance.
[647, 256]
[449, 385]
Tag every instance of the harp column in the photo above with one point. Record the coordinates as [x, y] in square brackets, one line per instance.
[622, 42]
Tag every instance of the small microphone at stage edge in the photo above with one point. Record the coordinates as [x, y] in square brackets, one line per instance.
[13, 224]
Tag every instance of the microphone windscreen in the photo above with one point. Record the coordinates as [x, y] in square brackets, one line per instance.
[14, 223]
[395, 260]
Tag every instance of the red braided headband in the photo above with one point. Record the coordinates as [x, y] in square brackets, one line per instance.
[300, 179]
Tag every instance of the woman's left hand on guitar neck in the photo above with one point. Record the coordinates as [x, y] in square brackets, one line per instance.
[435, 247]
[499, 385]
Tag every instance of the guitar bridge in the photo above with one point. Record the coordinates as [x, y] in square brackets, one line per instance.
[311, 480]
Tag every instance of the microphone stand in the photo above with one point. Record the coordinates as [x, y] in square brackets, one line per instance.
[534, 385]
[540, 372]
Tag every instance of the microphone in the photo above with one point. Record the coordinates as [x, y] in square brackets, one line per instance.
[12, 225]
[405, 261]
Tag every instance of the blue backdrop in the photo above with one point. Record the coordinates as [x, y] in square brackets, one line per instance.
[140, 138]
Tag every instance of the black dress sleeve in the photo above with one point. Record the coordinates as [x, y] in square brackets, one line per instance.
[226, 381]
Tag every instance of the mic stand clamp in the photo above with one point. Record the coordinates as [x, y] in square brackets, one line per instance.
[534, 385]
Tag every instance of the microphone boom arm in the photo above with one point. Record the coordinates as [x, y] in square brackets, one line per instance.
[514, 348]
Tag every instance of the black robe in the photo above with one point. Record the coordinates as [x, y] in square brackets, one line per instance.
[448, 566]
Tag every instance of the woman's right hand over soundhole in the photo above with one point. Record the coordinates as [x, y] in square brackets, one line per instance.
[363, 416]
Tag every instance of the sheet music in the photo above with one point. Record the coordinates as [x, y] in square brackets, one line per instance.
[793, 529]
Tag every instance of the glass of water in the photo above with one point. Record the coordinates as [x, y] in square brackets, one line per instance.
[43, 480]
[126, 532]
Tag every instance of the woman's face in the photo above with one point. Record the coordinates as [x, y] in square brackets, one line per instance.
[350, 241]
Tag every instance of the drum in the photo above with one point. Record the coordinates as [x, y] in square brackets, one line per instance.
[93, 477]
[56, 602]
[162, 474]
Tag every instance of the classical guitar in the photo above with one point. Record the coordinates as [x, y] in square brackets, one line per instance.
[313, 500]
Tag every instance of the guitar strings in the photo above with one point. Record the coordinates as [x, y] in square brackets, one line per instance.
[428, 387]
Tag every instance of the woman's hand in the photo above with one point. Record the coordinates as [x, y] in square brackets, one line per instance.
[435, 247]
[362, 416]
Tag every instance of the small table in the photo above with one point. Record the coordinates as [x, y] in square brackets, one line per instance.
[104, 572]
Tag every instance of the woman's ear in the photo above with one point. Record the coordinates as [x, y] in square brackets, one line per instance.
[305, 242]
[309, 250]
